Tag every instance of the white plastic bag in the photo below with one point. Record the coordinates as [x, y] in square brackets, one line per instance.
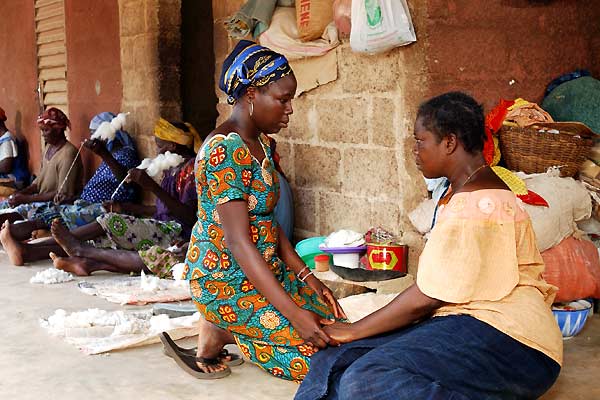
[380, 25]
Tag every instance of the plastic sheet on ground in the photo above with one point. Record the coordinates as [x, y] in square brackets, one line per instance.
[129, 290]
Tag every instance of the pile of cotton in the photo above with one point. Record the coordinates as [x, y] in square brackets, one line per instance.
[156, 166]
[108, 130]
[51, 275]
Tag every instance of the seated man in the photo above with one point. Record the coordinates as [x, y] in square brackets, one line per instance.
[56, 177]
[118, 156]
[13, 162]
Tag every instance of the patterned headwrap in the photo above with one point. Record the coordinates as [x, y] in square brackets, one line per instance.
[166, 131]
[54, 118]
[251, 64]
[2, 115]
[120, 135]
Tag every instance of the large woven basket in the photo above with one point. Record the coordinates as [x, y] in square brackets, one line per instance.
[531, 151]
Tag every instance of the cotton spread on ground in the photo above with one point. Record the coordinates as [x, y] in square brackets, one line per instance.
[97, 331]
[51, 275]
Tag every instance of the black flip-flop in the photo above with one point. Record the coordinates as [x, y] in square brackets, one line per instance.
[188, 364]
[234, 359]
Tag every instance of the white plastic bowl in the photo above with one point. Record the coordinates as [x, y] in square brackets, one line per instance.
[349, 260]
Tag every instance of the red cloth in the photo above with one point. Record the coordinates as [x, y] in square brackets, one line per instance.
[533, 198]
[493, 123]
[54, 118]
[2, 115]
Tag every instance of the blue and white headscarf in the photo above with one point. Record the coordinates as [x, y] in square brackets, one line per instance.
[251, 64]
[121, 136]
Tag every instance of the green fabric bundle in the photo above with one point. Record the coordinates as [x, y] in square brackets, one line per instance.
[576, 100]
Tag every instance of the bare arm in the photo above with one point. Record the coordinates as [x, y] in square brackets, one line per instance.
[29, 189]
[98, 147]
[6, 165]
[409, 306]
[236, 225]
[288, 254]
[182, 211]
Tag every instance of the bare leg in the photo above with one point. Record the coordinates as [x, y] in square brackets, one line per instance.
[12, 217]
[20, 253]
[211, 340]
[90, 231]
[81, 266]
[22, 230]
[122, 261]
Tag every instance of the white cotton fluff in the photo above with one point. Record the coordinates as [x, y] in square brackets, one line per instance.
[94, 322]
[104, 132]
[177, 271]
[149, 283]
[344, 238]
[162, 162]
[51, 275]
[108, 130]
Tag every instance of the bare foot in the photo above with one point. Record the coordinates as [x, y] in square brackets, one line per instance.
[211, 340]
[79, 266]
[65, 239]
[13, 248]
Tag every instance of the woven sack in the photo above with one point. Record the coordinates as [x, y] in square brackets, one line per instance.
[312, 17]
[532, 151]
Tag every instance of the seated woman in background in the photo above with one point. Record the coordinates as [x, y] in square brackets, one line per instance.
[127, 226]
[477, 323]
[118, 156]
[245, 277]
[14, 173]
[55, 173]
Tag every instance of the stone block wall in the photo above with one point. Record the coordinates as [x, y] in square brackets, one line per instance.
[347, 149]
[150, 46]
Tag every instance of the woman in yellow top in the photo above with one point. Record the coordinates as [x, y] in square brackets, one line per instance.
[486, 330]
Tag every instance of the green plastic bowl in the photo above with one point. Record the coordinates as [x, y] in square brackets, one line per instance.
[307, 249]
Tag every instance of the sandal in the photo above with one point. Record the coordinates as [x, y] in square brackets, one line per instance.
[188, 364]
[234, 359]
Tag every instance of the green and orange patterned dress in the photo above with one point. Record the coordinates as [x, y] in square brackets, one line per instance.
[226, 171]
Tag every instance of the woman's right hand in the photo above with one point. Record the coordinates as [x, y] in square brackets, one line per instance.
[309, 327]
[97, 146]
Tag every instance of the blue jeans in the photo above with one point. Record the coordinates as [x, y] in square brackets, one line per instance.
[454, 357]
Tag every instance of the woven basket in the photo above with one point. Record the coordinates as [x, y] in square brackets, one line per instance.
[531, 151]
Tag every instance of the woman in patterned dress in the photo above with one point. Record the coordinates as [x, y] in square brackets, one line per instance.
[245, 277]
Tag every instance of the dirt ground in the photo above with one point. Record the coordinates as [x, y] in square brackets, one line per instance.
[34, 365]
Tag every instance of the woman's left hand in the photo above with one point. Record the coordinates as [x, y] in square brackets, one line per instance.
[17, 199]
[326, 295]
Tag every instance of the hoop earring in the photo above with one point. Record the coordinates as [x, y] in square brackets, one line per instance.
[251, 108]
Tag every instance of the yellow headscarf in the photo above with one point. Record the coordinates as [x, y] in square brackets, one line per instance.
[166, 131]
